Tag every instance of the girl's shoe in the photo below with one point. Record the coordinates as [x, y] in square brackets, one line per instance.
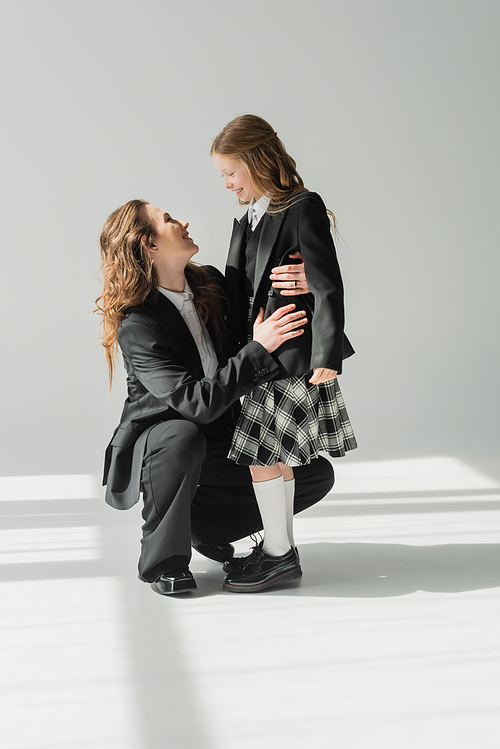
[260, 571]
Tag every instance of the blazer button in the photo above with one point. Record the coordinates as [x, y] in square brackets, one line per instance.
[270, 292]
[261, 373]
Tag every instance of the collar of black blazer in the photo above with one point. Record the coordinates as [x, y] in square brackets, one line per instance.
[169, 314]
[271, 223]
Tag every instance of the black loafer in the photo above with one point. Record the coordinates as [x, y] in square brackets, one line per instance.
[221, 553]
[260, 571]
[176, 581]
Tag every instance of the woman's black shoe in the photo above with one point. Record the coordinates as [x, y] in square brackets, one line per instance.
[219, 553]
[260, 571]
[176, 581]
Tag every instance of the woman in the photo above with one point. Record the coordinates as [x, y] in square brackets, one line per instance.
[165, 314]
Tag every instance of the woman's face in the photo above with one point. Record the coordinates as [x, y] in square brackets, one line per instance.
[171, 238]
[235, 177]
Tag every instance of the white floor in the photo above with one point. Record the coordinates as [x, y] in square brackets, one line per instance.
[391, 639]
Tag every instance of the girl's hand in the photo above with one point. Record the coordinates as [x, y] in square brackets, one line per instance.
[291, 278]
[279, 327]
[321, 374]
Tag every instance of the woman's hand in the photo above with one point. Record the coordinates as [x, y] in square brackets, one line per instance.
[279, 327]
[321, 374]
[291, 278]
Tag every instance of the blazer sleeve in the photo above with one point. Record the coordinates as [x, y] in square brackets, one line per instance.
[164, 375]
[325, 282]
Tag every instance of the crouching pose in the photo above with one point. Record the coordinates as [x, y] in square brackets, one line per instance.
[167, 316]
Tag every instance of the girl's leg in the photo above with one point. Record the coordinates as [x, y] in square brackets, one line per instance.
[288, 477]
[269, 489]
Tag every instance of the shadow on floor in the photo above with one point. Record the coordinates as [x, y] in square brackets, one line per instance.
[364, 570]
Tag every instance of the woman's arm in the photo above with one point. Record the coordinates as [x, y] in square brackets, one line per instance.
[148, 354]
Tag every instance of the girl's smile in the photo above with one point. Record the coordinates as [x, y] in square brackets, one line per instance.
[235, 177]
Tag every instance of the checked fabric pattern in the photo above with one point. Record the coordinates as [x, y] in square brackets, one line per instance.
[290, 421]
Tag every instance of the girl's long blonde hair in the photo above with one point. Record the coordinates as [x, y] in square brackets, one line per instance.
[129, 276]
[253, 143]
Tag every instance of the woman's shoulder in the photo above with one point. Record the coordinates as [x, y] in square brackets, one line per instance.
[141, 314]
[202, 275]
[214, 272]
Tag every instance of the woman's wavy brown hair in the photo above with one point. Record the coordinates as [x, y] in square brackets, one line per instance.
[253, 143]
[129, 276]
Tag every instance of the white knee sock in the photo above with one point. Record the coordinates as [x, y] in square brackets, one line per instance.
[289, 497]
[272, 505]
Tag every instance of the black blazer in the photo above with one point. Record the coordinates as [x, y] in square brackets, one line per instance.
[165, 380]
[303, 226]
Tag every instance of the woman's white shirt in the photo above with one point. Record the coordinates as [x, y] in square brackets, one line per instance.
[183, 301]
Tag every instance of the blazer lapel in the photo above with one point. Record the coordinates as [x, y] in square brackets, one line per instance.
[173, 319]
[234, 283]
[236, 254]
[270, 228]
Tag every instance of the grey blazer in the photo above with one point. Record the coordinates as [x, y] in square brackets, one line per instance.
[165, 380]
[303, 226]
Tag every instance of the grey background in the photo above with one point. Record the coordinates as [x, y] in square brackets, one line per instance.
[390, 109]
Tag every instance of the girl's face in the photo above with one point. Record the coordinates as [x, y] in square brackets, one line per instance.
[171, 238]
[235, 177]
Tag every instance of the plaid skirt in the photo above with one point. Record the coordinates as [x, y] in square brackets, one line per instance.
[290, 421]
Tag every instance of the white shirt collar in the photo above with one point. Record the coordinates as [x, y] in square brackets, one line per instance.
[177, 297]
[257, 208]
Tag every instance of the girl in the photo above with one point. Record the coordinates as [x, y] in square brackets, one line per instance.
[284, 423]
